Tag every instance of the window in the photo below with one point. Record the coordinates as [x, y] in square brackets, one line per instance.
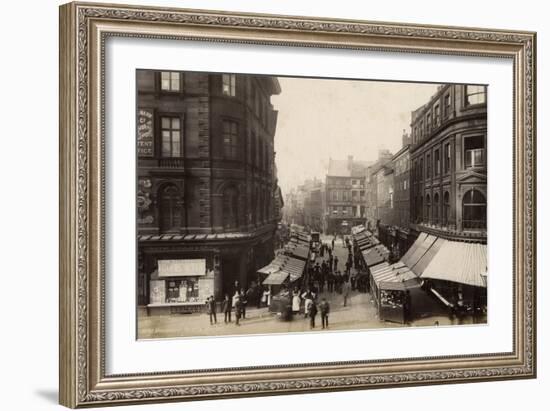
[428, 208]
[436, 209]
[421, 129]
[447, 105]
[475, 95]
[474, 151]
[436, 115]
[437, 166]
[170, 208]
[428, 122]
[421, 170]
[446, 208]
[230, 137]
[447, 161]
[229, 82]
[474, 210]
[230, 207]
[170, 81]
[171, 136]
[429, 166]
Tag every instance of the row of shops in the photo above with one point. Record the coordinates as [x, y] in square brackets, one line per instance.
[454, 272]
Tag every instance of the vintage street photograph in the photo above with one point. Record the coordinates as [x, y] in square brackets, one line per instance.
[276, 204]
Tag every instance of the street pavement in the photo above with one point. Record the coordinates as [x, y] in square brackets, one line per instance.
[359, 313]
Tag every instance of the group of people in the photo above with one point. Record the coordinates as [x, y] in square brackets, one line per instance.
[238, 303]
[311, 306]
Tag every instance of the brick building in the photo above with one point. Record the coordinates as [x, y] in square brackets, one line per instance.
[207, 194]
[345, 194]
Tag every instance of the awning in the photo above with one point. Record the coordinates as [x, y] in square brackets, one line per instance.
[394, 277]
[460, 262]
[276, 278]
[405, 259]
[375, 255]
[426, 259]
[420, 250]
[293, 267]
[268, 269]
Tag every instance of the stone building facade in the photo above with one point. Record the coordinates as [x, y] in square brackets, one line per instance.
[207, 193]
[448, 158]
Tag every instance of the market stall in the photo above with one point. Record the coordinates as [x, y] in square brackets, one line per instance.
[390, 289]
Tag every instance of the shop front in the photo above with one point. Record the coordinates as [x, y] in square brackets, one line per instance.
[180, 286]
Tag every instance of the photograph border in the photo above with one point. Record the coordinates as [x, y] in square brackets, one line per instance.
[84, 28]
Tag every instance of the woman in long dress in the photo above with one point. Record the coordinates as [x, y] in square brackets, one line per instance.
[296, 301]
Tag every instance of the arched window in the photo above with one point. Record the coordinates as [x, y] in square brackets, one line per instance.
[419, 209]
[230, 208]
[474, 210]
[446, 208]
[169, 208]
[436, 208]
[428, 209]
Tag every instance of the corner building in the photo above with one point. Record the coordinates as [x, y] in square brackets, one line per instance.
[207, 193]
[449, 164]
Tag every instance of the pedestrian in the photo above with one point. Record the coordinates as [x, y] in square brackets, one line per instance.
[296, 300]
[234, 299]
[335, 263]
[345, 291]
[330, 282]
[312, 314]
[266, 297]
[308, 301]
[211, 309]
[238, 310]
[244, 301]
[324, 307]
[332, 243]
[226, 308]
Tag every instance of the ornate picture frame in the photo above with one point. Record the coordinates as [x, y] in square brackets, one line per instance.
[84, 28]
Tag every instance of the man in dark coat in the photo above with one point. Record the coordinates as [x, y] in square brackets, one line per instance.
[312, 314]
[226, 309]
[324, 307]
[238, 310]
[211, 309]
[335, 263]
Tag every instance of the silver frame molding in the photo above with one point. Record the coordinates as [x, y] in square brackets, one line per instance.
[84, 27]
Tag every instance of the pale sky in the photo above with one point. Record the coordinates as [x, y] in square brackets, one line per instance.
[320, 118]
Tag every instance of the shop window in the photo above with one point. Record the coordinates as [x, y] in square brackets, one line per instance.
[178, 291]
[230, 139]
[170, 81]
[474, 151]
[475, 95]
[230, 208]
[474, 210]
[171, 136]
[229, 85]
[170, 208]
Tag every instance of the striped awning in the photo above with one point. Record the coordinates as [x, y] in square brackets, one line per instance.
[460, 262]
[375, 255]
[395, 273]
[276, 278]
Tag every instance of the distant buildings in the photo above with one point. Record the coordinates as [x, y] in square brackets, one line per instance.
[345, 194]
[207, 194]
[374, 171]
[305, 205]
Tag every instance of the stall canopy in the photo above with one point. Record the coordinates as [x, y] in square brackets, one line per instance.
[396, 276]
[276, 278]
[375, 255]
[292, 267]
[421, 248]
[459, 262]
[298, 250]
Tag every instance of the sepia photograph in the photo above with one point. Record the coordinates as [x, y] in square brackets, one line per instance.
[274, 204]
